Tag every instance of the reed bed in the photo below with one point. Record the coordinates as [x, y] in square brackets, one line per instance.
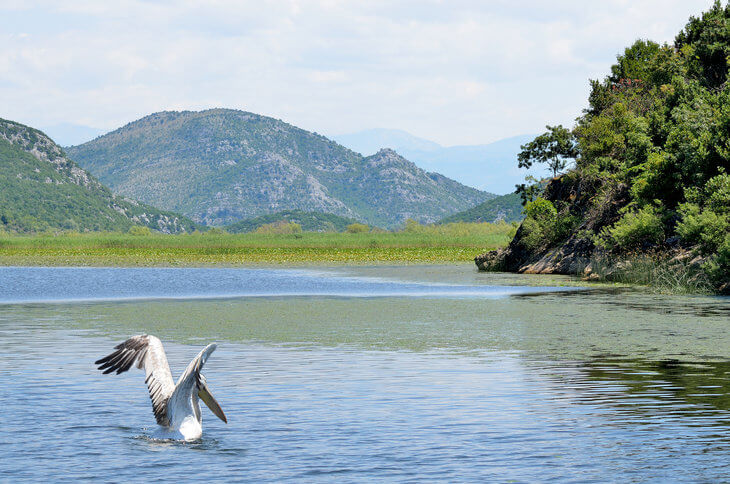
[422, 244]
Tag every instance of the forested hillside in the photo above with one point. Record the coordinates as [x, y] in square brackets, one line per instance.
[307, 221]
[40, 189]
[506, 207]
[648, 168]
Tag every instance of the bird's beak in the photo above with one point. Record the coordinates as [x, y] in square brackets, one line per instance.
[207, 398]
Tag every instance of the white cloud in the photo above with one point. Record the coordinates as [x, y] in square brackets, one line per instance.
[456, 72]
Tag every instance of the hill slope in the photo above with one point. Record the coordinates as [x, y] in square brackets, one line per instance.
[40, 188]
[220, 166]
[506, 207]
[309, 221]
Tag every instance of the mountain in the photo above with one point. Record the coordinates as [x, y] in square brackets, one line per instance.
[40, 188]
[220, 166]
[309, 221]
[491, 167]
[505, 207]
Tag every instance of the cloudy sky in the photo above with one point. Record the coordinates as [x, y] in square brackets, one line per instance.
[453, 71]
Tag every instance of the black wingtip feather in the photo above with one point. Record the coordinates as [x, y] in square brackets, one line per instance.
[125, 355]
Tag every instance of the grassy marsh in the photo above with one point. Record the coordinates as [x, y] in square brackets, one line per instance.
[457, 242]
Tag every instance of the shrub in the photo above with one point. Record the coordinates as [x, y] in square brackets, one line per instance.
[357, 228]
[538, 228]
[702, 227]
[706, 217]
[633, 230]
[412, 226]
[542, 211]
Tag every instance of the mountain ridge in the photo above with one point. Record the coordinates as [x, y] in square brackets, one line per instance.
[41, 188]
[219, 166]
[491, 166]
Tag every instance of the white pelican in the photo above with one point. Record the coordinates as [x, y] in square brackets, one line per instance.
[175, 406]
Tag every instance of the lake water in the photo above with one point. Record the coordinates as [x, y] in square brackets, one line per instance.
[373, 373]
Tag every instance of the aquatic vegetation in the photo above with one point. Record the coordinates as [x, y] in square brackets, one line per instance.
[443, 243]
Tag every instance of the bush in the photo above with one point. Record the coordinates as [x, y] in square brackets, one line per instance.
[633, 230]
[413, 226]
[705, 228]
[538, 228]
[542, 211]
[357, 228]
[139, 230]
[706, 217]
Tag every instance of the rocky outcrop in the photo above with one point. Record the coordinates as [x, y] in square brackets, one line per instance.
[572, 196]
[572, 257]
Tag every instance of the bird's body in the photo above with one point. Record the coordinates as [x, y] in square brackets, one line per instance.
[175, 405]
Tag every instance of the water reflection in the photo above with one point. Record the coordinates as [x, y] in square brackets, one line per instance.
[557, 386]
[679, 387]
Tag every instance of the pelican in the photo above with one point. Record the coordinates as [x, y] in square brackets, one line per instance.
[175, 405]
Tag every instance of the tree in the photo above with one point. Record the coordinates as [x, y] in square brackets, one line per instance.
[555, 147]
[529, 191]
[705, 45]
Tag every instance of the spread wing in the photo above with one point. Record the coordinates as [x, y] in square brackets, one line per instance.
[149, 354]
[192, 382]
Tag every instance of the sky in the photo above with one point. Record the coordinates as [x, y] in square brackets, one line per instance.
[456, 72]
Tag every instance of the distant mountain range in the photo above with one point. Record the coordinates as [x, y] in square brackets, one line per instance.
[220, 166]
[40, 189]
[491, 167]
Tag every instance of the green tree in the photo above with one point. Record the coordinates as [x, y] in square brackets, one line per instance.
[705, 45]
[636, 62]
[554, 147]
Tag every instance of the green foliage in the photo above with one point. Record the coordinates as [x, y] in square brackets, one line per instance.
[41, 189]
[309, 221]
[538, 227]
[357, 228]
[651, 150]
[705, 45]
[706, 228]
[542, 211]
[432, 243]
[507, 208]
[634, 230]
[281, 227]
[555, 147]
[530, 190]
[636, 62]
[705, 222]
[718, 267]
[706, 218]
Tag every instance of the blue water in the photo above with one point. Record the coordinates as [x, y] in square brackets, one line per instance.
[76, 284]
[494, 381]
